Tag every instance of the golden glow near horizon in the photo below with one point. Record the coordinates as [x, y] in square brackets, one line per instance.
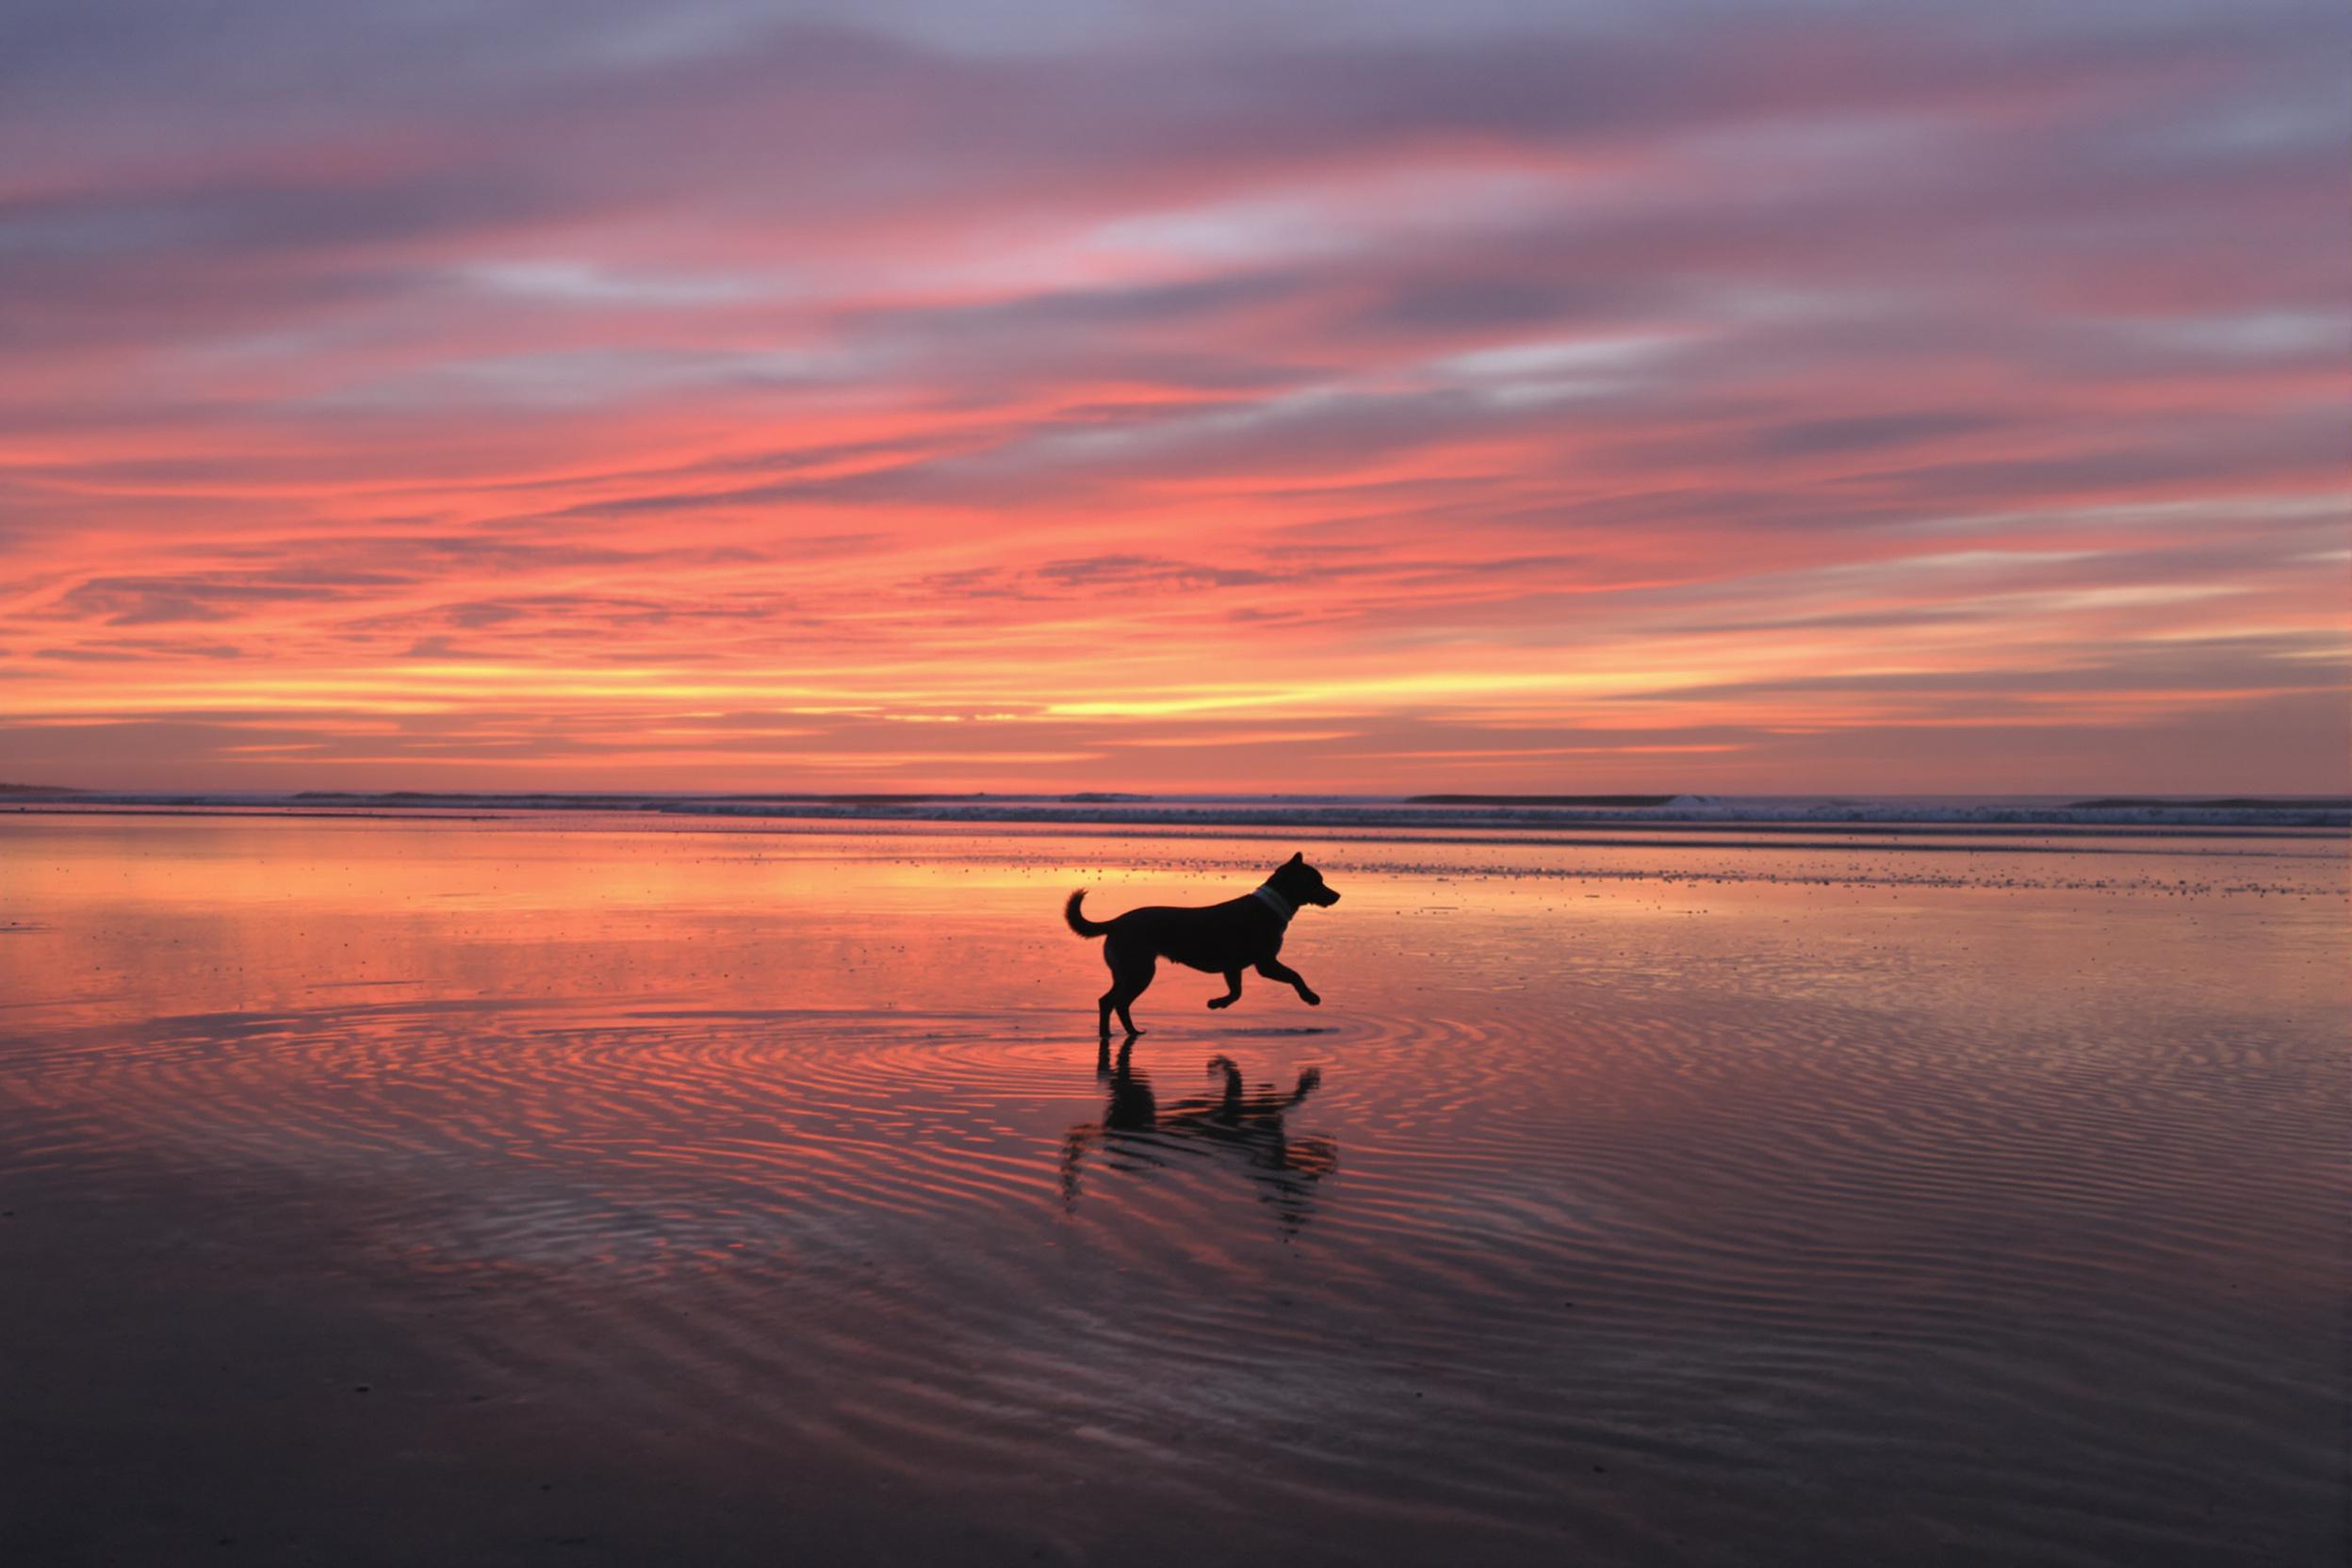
[1134, 412]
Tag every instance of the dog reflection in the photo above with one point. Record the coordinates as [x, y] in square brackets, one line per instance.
[1242, 1125]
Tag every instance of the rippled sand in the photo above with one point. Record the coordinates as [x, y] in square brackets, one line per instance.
[412, 1190]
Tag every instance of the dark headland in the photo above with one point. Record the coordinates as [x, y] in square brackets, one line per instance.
[1539, 800]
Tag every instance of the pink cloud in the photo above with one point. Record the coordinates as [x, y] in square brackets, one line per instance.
[1809, 403]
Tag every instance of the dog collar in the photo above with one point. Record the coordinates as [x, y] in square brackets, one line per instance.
[1281, 907]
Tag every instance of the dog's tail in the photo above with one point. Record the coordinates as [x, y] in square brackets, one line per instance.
[1078, 921]
[1232, 1078]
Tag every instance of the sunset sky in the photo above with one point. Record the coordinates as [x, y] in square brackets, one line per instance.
[1514, 395]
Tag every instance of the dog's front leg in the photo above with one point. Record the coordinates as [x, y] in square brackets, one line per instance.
[1232, 991]
[1274, 968]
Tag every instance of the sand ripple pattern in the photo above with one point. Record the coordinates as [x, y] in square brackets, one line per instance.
[1495, 1276]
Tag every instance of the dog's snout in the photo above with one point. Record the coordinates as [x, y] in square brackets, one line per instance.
[1330, 898]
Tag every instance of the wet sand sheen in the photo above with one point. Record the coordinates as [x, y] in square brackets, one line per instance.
[771, 1195]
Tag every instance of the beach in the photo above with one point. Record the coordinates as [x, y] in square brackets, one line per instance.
[476, 1186]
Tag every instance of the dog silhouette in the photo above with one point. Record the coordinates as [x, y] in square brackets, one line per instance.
[1216, 939]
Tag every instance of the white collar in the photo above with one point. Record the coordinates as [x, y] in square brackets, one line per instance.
[1281, 907]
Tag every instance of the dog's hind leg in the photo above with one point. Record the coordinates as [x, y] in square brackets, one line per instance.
[1109, 999]
[1232, 991]
[1124, 993]
[1274, 968]
[1131, 973]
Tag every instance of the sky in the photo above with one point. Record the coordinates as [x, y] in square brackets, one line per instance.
[1514, 395]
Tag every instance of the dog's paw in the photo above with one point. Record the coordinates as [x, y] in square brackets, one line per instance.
[1311, 999]
[1218, 1002]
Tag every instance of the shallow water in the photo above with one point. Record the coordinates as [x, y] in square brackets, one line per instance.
[1823, 1201]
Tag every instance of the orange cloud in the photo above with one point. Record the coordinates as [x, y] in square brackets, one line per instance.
[1946, 402]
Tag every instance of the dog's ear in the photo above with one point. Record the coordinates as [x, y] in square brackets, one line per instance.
[1297, 860]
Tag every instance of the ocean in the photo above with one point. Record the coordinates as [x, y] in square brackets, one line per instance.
[398, 1179]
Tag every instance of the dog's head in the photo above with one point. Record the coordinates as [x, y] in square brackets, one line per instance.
[1301, 884]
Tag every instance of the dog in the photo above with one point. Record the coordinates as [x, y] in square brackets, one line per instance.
[1216, 939]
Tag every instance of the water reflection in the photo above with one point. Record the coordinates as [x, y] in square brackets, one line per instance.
[1241, 1126]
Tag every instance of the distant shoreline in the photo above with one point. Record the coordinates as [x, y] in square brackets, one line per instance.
[1946, 816]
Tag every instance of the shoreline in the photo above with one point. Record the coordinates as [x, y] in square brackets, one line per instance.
[1534, 825]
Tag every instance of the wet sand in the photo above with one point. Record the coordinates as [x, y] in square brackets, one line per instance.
[517, 1190]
